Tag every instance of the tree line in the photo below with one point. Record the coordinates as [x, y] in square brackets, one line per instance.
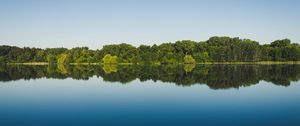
[215, 49]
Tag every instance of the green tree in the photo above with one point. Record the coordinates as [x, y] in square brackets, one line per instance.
[201, 56]
[51, 58]
[109, 59]
[215, 49]
[63, 59]
[2, 60]
[281, 43]
[188, 59]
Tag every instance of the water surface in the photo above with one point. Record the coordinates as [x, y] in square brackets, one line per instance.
[150, 95]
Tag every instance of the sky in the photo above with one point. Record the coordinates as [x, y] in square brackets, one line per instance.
[94, 23]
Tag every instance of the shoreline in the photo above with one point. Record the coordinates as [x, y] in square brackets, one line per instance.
[258, 62]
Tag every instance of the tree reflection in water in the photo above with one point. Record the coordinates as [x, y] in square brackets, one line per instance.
[214, 76]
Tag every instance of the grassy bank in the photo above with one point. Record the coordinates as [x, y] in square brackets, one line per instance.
[29, 63]
[259, 62]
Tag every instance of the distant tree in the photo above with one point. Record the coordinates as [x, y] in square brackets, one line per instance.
[113, 60]
[215, 49]
[185, 46]
[90, 59]
[63, 59]
[109, 59]
[281, 43]
[39, 56]
[188, 59]
[201, 56]
[51, 58]
[2, 60]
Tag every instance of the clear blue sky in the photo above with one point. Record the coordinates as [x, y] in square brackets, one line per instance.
[71, 23]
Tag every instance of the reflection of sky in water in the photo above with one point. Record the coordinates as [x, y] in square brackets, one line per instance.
[78, 102]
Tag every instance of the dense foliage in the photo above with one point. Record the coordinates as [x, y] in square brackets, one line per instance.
[216, 49]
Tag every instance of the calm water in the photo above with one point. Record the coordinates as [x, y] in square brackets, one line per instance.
[150, 95]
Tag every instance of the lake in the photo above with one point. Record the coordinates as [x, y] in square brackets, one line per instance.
[149, 95]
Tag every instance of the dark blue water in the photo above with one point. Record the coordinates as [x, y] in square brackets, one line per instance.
[52, 101]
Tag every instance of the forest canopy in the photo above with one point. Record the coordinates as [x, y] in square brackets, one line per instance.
[215, 49]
